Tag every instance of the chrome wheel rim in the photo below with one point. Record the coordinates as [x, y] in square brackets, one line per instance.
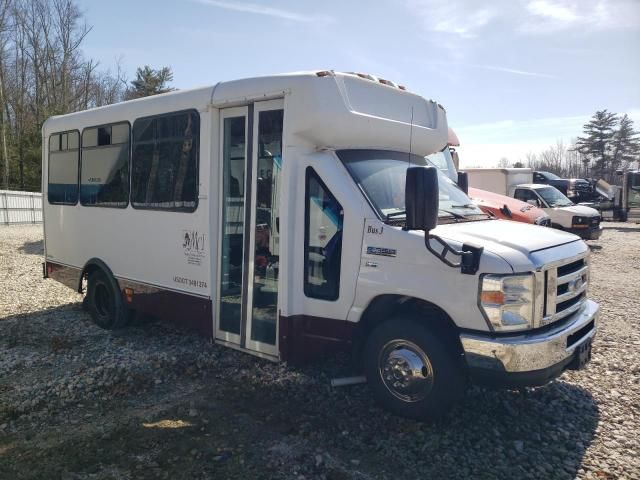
[405, 370]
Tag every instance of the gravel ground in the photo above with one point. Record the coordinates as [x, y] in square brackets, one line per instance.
[152, 402]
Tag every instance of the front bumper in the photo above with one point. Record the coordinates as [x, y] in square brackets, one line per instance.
[591, 233]
[529, 359]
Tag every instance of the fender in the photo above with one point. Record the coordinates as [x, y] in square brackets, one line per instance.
[94, 264]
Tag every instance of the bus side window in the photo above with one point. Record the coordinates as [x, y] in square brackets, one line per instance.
[323, 240]
[164, 166]
[104, 172]
[64, 155]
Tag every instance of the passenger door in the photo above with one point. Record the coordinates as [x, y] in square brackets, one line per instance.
[251, 158]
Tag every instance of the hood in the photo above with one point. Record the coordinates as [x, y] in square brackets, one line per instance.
[522, 237]
[520, 211]
[581, 210]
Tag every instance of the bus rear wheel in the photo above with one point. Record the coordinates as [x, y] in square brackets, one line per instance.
[104, 301]
[413, 371]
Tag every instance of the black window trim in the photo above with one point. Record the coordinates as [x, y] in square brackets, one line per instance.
[197, 172]
[49, 166]
[129, 149]
[309, 173]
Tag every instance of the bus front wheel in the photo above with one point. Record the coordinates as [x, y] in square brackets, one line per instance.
[104, 301]
[412, 370]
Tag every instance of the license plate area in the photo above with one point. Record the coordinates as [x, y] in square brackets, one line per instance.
[581, 355]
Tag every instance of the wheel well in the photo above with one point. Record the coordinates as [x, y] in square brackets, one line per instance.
[383, 307]
[90, 267]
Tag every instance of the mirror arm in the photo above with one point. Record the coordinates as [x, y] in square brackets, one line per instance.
[469, 255]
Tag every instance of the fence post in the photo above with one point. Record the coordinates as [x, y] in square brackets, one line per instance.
[6, 209]
[33, 210]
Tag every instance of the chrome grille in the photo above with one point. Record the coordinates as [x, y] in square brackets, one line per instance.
[565, 289]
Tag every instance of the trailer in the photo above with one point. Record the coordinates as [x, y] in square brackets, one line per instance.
[619, 202]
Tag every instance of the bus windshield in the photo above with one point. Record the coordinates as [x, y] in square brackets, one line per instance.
[443, 161]
[554, 197]
[381, 175]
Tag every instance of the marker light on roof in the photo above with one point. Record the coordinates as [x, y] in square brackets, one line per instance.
[324, 73]
[387, 82]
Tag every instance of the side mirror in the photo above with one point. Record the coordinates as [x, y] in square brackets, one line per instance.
[421, 198]
[463, 182]
[533, 202]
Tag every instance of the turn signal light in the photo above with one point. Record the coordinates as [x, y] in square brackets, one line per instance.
[492, 297]
[128, 294]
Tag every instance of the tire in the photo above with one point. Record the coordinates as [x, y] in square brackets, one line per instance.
[409, 352]
[104, 301]
[623, 216]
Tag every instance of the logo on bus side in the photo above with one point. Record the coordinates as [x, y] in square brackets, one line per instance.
[385, 252]
[194, 246]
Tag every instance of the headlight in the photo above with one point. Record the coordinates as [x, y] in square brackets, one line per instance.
[580, 222]
[507, 301]
[543, 221]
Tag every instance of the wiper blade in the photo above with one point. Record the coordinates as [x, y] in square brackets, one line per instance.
[396, 214]
[467, 205]
[453, 214]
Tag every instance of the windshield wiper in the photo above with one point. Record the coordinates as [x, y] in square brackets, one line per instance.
[467, 205]
[396, 214]
[455, 215]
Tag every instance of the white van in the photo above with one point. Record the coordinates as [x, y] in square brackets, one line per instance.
[291, 215]
[517, 183]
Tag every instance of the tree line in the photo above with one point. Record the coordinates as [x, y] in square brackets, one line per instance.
[608, 144]
[44, 72]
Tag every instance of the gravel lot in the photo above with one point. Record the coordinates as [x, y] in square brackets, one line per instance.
[152, 402]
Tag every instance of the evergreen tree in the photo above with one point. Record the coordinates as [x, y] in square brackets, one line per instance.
[150, 82]
[626, 144]
[597, 142]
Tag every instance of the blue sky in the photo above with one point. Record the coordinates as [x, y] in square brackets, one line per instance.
[514, 75]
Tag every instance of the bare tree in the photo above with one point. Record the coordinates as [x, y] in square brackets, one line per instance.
[43, 72]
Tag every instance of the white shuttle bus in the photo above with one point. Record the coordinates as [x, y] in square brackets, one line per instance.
[291, 215]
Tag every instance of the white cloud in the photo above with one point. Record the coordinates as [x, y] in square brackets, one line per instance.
[548, 16]
[512, 70]
[258, 9]
[553, 11]
[466, 19]
[462, 18]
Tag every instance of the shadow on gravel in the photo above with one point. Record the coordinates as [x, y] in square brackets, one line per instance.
[32, 248]
[257, 419]
[537, 433]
